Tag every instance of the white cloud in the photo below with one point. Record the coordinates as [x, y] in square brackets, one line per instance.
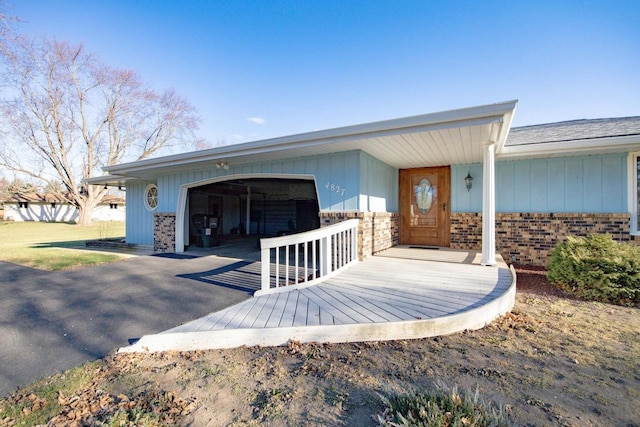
[258, 120]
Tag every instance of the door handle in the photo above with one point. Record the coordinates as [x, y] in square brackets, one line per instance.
[444, 206]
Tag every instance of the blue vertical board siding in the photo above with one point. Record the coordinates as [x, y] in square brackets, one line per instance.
[595, 184]
[556, 187]
[378, 185]
[342, 188]
[333, 173]
[168, 192]
[573, 184]
[139, 223]
[505, 187]
[522, 179]
[614, 170]
[463, 200]
[539, 184]
[337, 199]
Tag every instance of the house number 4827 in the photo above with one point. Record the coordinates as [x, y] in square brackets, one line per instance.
[336, 188]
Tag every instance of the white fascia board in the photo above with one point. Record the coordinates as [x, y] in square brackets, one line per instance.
[111, 180]
[454, 118]
[611, 144]
[505, 128]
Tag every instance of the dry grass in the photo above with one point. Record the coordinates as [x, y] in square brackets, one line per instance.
[552, 361]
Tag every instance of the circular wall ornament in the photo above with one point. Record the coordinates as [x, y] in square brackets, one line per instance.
[151, 197]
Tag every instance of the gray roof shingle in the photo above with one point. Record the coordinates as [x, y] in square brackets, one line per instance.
[574, 130]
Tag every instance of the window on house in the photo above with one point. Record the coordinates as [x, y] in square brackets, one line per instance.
[23, 205]
[53, 205]
[113, 205]
[151, 197]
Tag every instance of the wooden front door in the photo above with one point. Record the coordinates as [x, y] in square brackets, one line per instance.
[425, 199]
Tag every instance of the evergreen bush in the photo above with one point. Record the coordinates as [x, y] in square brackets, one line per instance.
[597, 268]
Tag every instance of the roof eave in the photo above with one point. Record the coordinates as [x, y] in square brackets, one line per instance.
[609, 144]
[499, 112]
[109, 180]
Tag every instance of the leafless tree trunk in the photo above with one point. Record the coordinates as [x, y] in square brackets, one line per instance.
[66, 115]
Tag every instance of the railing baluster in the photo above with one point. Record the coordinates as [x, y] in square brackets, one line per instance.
[297, 275]
[277, 266]
[314, 249]
[332, 248]
[336, 253]
[306, 263]
[286, 265]
[341, 246]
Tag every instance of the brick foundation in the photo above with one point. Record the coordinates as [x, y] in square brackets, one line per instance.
[530, 237]
[377, 230]
[164, 232]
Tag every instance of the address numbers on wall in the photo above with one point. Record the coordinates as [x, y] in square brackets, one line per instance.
[335, 188]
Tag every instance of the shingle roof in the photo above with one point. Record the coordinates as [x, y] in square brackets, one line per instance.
[574, 130]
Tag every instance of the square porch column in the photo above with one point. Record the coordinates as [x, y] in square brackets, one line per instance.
[488, 205]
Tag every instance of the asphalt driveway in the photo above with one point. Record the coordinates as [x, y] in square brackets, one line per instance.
[52, 321]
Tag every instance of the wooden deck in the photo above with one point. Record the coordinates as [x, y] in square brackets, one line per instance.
[400, 293]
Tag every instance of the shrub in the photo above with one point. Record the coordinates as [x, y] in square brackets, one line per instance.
[597, 268]
[440, 407]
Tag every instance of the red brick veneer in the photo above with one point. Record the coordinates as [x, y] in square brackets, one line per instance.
[528, 238]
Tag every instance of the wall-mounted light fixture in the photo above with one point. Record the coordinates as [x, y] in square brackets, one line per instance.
[468, 180]
[222, 165]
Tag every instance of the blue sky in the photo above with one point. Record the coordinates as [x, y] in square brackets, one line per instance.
[261, 69]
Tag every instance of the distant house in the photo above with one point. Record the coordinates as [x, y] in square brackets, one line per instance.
[461, 179]
[56, 208]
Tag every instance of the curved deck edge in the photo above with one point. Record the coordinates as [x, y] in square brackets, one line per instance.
[476, 318]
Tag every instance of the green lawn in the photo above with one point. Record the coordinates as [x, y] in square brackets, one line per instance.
[55, 246]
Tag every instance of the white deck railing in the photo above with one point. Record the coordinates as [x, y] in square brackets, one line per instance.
[305, 258]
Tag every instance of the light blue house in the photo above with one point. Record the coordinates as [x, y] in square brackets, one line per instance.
[460, 179]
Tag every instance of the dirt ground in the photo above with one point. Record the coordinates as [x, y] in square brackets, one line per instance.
[553, 361]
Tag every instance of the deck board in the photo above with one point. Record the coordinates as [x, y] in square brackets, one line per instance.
[401, 285]
[313, 313]
[278, 308]
[262, 317]
[289, 312]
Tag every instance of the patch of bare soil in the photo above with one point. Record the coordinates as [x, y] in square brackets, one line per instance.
[552, 361]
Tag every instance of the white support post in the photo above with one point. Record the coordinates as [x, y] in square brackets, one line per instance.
[489, 206]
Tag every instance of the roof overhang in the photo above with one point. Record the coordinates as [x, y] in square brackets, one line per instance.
[436, 139]
[583, 147]
[110, 181]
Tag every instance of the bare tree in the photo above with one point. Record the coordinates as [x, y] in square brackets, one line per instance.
[66, 114]
[7, 32]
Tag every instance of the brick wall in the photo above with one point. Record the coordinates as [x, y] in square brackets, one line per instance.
[164, 232]
[377, 230]
[530, 237]
[385, 230]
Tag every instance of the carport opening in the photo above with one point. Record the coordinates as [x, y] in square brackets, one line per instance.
[223, 212]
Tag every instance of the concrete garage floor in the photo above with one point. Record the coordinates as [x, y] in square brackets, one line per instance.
[52, 321]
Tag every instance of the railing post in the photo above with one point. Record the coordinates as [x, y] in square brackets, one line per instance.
[265, 275]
